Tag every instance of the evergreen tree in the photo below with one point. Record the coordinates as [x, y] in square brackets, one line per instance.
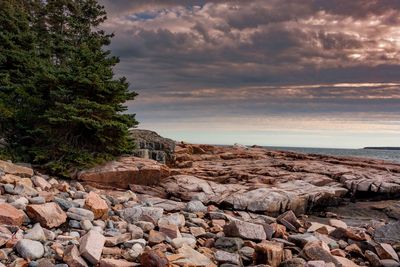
[80, 119]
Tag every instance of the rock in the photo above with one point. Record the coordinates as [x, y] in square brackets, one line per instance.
[269, 252]
[91, 246]
[317, 250]
[389, 263]
[197, 231]
[195, 206]
[337, 223]
[24, 190]
[86, 225]
[116, 240]
[96, 204]
[36, 233]
[183, 241]
[226, 257]
[73, 258]
[133, 253]
[80, 214]
[63, 203]
[386, 251]
[345, 262]
[49, 215]
[302, 239]
[37, 200]
[131, 243]
[289, 220]
[320, 228]
[191, 257]
[154, 258]
[29, 249]
[116, 263]
[10, 168]
[135, 231]
[136, 214]
[170, 231]
[295, 262]
[244, 230]
[372, 258]
[229, 244]
[155, 237]
[10, 215]
[174, 218]
[41, 182]
[145, 226]
[124, 171]
[389, 233]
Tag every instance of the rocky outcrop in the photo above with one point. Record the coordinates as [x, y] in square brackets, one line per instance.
[151, 145]
[183, 222]
[125, 171]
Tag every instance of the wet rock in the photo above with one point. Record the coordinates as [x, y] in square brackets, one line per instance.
[226, 257]
[80, 214]
[36, 233]
[136, 214]
[269, 252]
[389, 233]
[96, 204]
[72, 257]
[91, 246]
[10, 215]
[244, 230]
[49, 215]
[29, 249]
[154, 258]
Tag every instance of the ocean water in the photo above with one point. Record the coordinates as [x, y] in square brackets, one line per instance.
[388, 155]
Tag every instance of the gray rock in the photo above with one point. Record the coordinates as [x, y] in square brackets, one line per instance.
[37, 200]
[63, 203]
[136, 231]
[389, 233]
[29, 249]
[86, 225]
[230, 244]
[174, 218]
[131, 243]
[245, 230]
[136, 214]
[182, 241]
[195, 206]
[226, 257]
[36, 233]
[295, 262]
[80, 214]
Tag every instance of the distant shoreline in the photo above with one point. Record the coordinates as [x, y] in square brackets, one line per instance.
[383, 148]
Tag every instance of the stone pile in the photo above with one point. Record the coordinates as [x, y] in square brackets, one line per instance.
[50, 222]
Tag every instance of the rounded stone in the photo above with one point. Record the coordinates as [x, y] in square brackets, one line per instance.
[30, 249]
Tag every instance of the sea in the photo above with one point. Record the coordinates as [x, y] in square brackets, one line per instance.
[388, 155]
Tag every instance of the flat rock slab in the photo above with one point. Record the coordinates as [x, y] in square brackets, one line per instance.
[125, 171]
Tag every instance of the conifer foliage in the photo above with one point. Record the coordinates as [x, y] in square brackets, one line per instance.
[60, 104]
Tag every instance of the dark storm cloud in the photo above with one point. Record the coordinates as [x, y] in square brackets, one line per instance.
[195, 54]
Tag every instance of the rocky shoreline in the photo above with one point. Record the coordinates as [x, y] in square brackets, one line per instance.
[212, 206]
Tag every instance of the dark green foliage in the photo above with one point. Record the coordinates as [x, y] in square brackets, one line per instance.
[60, 104]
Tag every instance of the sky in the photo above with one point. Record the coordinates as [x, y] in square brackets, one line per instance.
[311, 73]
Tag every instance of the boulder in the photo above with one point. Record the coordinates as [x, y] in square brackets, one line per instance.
[246, 230]
[96, 204]
[91, 246]
[10, 215]
[11, 168]
[125, 171]
[29, 249]
[49, 215]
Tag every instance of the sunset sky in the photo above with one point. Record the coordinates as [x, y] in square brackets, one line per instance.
[315, 73]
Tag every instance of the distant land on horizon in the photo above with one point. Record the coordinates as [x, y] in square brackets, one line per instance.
[383, 148]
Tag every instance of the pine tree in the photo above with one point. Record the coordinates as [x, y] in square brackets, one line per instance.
[83, 121]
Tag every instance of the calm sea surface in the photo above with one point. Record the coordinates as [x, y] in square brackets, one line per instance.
[389, 155]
